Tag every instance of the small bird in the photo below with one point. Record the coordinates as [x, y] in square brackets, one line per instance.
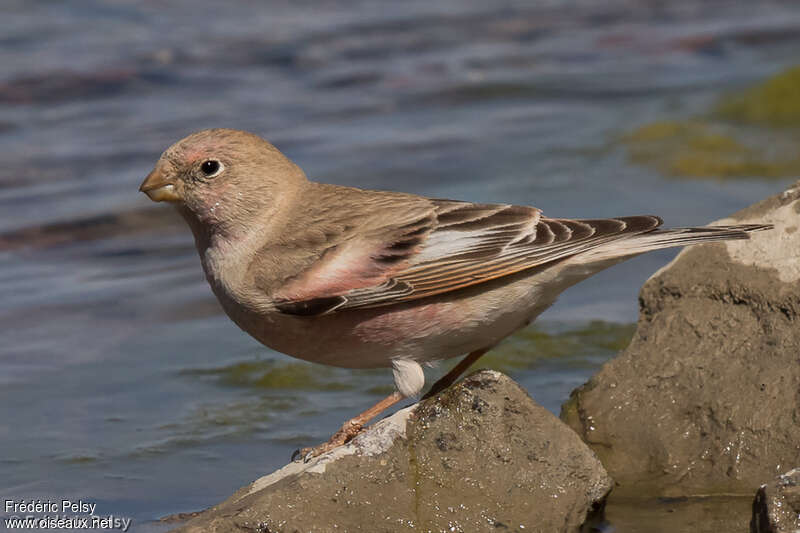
[363, 279]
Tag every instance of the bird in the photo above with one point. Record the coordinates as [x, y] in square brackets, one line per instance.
[380, 279]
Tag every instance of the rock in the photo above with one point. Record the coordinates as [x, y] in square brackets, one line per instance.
[776, 508]
[706, 398]
[709, 514]
[481, 456]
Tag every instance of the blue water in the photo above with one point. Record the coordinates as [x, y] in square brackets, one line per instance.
[122, 381]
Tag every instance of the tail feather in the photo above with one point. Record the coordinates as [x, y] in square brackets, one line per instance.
[667, 238]
[683, 236]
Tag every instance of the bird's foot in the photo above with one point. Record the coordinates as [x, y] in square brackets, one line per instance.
[345, 434]
[350, 429]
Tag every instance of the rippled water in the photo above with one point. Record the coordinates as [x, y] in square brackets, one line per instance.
[123, 383]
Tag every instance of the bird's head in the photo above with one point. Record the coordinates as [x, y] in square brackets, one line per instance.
[222, 179]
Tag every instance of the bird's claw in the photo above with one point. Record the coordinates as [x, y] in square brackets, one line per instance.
[343, 436]
[304, 455]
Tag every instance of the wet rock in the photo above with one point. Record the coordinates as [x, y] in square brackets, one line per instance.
[776, 508]
[481, 456]
[706, 398]
[632, 513]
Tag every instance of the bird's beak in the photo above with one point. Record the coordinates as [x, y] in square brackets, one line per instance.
[158, 188]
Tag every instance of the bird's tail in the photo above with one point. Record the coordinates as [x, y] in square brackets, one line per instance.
[667, 238]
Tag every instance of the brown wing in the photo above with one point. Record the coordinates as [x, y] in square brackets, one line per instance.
[456, 245]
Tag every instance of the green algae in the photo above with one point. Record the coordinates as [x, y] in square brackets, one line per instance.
[381, 390]
[520, 351]
[270, 374]
[700, 149]
[773, 103]
[214, 422]
[79, 458]
[751, 134]
[530, 346]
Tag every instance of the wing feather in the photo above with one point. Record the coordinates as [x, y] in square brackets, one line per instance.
[457, 245]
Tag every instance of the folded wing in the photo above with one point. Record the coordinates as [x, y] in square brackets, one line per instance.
[453, 246]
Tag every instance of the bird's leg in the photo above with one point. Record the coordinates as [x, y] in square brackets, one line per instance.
[349, 429]
[352, 427]
[449, 378]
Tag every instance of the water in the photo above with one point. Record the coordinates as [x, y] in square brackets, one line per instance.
[123, 383]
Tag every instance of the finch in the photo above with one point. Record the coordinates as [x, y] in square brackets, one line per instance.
[363, 279]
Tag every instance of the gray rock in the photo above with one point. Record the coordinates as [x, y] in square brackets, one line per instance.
[776, 508]
[706, 398]
[481, 456]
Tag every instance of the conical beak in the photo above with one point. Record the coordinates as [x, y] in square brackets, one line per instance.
[158, 188]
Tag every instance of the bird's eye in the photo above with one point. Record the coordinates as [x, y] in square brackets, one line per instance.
[211, 168]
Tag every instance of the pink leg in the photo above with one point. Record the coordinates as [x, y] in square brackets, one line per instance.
[352, 427]
[349, 429]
